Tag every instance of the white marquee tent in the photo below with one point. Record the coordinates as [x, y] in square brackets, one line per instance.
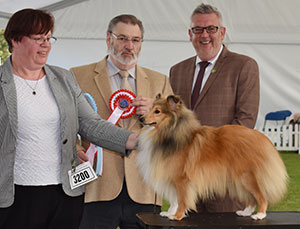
[267, 30]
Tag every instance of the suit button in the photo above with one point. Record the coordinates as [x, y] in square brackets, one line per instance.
[65, 141]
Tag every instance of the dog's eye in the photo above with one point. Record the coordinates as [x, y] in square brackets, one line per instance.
[157, 111]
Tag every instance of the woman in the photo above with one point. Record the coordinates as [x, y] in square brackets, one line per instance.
[41, 111]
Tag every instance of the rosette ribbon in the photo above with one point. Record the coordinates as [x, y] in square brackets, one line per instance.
[120, 105]
[94, 151]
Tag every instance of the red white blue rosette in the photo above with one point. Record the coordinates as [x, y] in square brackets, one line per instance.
[120, 105]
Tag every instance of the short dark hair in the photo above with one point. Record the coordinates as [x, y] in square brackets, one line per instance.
[127, 19]
[27, 22]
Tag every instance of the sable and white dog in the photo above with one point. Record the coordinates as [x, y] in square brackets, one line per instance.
[184, 161]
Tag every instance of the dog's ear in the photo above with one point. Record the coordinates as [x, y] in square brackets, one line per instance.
[173, 101]
[158, 96]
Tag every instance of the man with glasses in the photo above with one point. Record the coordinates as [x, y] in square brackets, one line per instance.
[220, 86]
[115, 197]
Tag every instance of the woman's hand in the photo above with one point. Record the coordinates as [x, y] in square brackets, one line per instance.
[82, 157]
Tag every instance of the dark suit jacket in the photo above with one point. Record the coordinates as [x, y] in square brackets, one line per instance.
[230, 95]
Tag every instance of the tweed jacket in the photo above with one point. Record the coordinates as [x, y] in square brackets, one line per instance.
[94, 79]
[76, 116]
[230, 95]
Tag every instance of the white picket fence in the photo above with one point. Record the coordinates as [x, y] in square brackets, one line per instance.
[285, 137]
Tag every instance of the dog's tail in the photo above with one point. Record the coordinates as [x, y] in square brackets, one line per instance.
[275, 178]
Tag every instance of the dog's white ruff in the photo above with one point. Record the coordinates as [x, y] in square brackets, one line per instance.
[145, 148]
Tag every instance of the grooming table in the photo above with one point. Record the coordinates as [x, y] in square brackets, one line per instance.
[274, 220]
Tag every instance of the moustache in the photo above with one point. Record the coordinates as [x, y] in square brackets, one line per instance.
[128, 52]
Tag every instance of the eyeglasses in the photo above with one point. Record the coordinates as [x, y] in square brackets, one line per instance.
[41, 40]
[209, 29]
[123, 39]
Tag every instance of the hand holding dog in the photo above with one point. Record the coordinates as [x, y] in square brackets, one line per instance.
[143, 104]
[131, 144]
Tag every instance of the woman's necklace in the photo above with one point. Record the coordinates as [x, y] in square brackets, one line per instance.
[33, 88]
[28, 84]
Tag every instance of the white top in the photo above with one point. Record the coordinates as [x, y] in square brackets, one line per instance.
[38, 152]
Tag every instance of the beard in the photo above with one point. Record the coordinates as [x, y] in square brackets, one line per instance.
[118, 55]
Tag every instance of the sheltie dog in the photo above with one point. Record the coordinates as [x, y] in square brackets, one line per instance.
[184, 161]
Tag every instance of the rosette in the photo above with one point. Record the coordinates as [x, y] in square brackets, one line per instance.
[120, 105]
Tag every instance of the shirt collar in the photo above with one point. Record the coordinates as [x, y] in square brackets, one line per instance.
[213, 60]
[113, 69]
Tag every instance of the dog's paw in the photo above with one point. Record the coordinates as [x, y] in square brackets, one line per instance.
[164, 214]
[259, 216]
[172, 217]
[176, 217]
[241, 213]
[246, 212]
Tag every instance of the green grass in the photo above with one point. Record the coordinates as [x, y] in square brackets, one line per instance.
[291, 202]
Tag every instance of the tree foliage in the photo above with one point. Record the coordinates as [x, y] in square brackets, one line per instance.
[4, 53]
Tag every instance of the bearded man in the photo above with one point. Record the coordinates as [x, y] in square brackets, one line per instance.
[119, 194]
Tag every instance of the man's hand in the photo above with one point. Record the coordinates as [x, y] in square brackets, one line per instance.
[143, 104]
[82, 157]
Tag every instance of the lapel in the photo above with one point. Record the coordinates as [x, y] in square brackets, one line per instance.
[142, 89]
[213, 75]
[102, 82]
[10, 93]
[190, 71]
[59, 94]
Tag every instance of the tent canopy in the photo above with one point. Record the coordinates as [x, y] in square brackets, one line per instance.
[266, 30]
[255, 21]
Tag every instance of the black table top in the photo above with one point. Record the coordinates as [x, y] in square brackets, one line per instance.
[275, 220]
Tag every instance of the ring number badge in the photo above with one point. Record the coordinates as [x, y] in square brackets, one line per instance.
[82, 174]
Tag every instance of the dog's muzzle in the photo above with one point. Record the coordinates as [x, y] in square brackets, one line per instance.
[142, 120]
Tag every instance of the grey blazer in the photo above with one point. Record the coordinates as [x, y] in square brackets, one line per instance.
[76, 116]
